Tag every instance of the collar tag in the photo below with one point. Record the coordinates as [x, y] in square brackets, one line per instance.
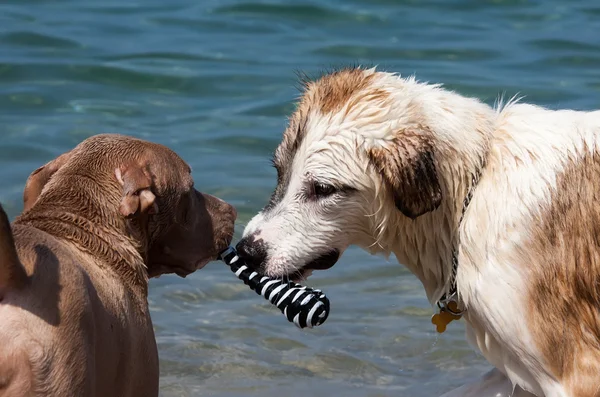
[449, 312]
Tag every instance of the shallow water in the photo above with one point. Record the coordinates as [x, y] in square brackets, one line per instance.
[214, 80]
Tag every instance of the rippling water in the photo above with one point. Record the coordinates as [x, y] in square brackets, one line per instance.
[214, 80]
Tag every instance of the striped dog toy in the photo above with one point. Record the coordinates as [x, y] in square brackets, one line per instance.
[305, 307]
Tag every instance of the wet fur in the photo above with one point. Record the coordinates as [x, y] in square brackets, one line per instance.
[408, 150]
[98, 221]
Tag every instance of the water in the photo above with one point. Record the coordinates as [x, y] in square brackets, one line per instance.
[214, 80]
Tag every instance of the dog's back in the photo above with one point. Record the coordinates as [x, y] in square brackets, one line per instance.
[55, 329]
[559, 251]
[42, 299]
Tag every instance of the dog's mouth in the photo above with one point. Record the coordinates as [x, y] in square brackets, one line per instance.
[323, 262]
[184, 271]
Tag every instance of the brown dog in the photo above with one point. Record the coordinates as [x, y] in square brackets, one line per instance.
[98, 221]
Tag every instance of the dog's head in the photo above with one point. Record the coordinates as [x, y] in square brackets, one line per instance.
[145, 186]
[356, 156]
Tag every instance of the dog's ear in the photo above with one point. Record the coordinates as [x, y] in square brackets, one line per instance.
[39, 178]
[137, 184]
[407, 167]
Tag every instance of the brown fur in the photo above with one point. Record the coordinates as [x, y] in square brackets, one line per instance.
[408, 169]
[99, 221]
[333, 91]
[566, 290]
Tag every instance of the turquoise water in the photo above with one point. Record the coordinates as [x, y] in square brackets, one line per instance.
[214, 80]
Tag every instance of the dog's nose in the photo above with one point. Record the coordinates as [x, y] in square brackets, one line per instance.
[252, 251]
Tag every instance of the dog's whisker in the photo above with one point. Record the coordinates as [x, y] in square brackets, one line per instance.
[299, 275]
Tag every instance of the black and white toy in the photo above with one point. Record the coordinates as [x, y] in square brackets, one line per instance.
[305, 307]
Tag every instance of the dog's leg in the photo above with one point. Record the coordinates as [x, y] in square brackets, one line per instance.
[492, 384]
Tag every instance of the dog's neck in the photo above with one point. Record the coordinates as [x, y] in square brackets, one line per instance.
[93, 225]
[463, 129]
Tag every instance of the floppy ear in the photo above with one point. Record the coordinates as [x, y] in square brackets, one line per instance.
[407, 167]
[38, 179]
[137, 191]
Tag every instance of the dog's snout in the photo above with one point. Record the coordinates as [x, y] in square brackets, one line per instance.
[221, 216]
[253, 251]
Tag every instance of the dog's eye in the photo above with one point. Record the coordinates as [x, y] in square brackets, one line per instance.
[323, 190]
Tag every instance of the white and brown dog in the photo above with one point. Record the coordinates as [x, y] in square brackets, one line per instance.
[501, 205]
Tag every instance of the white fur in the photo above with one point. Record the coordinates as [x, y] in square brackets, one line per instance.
[525, 147]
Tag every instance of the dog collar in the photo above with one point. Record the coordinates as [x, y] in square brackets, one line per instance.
[448, 304]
